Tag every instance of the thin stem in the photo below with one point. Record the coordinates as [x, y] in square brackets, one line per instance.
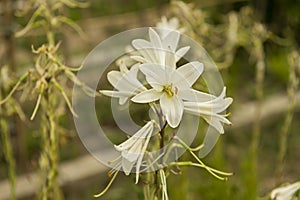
[190, 163]
[8, 153]
[15, 88]
[38, 102]
[60, 88]
[200, 162]
[108, 186]
[49, 157]
[9, 157]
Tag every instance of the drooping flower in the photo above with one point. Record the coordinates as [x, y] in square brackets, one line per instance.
[134, 148]
[125, 82]
[211, 111]
[171, 86]
[158, 50]
[165, 26]
[285, 192]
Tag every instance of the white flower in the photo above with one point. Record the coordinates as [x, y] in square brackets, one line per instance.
[126, 59]
[210, 110]
[171, 86]
[133, 149]
[125, 82]
[285, 192]
[165, 26]
[159, 51]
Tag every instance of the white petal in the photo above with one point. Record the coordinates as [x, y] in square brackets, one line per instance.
[209, 107]
[214, 123]
[140, 159]
[155, 75]
[114, 77]
[195, 95]
[129, 83]
[164, 184]
[170, 60]
[134, 151]
[172, 108]
[190, 72]
[158, 50]
[170, 42]
[141, 44]
[181, 52]
[285, 192]
[116, 94]
[155, 39]
[140, 59]
[147, 96]
[206, 112]
[123, 100]
[146, 49]
[127, 166]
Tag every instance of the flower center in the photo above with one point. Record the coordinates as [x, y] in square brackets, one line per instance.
[170, 90]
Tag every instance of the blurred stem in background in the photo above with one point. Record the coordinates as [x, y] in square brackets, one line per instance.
[258, 52]
[46, 79]
[5, 131]
[293, 60]
[7, 147]
[9, 59]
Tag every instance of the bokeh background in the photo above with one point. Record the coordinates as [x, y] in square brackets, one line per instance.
[254, 43]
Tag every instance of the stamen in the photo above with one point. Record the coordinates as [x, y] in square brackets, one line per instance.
[168, 89]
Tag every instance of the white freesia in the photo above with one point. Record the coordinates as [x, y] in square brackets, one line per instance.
[171, 86]
[285, 192]
[166, 26]
[159, 51]
[210, 110]
[133, 149]
[125, 83]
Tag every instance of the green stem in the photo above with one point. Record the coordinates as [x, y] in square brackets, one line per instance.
[8, 153]
[9, 157]
[291, 90]
[49, 157]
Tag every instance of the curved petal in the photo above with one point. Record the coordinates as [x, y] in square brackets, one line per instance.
[170, 60]
[127, 166]
[214, 123]
[190, 72]
[170, 42]
[141, 44]
[154, 38]
[172, 108]
[155, 75]
[158, 50]
[114, 77]
[195, 95]
[146, 49]
[146, 96]
[116, 94]
[140, 59]
[181, 52]
[209, 107]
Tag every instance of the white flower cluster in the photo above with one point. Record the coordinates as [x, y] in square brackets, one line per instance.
[165, 83]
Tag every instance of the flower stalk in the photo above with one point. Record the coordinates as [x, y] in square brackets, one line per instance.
[293, 59]
[8, 151]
